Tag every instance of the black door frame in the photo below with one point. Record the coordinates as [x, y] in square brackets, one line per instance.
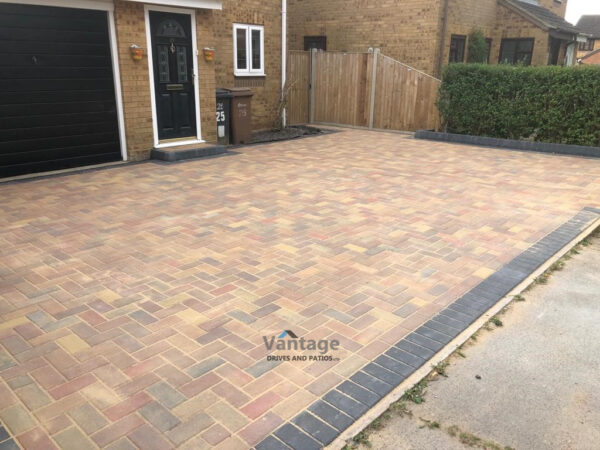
[194, 138]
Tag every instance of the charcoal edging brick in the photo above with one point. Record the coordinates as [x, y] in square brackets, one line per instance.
[423, 343]
[510, 144]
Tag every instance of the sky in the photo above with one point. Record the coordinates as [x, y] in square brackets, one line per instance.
[577, 8]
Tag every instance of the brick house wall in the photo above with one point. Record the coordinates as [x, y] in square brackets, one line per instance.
[406, 30]
[557, 7]
[497, 22]
[267, 89]
[511, 25]
[582, 53]
[205, 22]
[410, 31]
[214, 29]
[464, 16]
[135, 78]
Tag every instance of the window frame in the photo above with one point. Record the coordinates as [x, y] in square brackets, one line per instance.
[489, 42]
[322, 39]
[517, 41]
[588, 45]
[463, 38]
[249, 71]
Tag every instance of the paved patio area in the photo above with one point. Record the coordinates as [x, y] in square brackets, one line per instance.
[134, 301]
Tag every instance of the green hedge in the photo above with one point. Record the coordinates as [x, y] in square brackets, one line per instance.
[548, 104]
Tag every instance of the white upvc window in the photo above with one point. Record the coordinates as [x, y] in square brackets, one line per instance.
[248, 50]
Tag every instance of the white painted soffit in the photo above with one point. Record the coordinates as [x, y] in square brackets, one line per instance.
[196, 4]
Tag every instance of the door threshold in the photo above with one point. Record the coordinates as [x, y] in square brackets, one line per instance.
[179, 141]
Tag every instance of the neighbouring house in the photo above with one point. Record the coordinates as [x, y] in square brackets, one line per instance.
[429, 34]
[111, 80]
[591, 58]
[591, 26]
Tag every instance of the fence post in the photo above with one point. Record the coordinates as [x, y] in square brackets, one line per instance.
[373, 88]
[313, 59]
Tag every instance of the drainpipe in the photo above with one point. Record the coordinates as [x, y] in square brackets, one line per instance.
[283, 54]
[442, 45]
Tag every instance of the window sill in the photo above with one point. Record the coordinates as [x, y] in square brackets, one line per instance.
[246, 75]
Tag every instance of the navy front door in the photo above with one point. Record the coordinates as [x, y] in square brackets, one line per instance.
[173, 74]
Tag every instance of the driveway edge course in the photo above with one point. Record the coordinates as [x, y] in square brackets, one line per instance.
[510, 144]
[7, 442]
[345, 410]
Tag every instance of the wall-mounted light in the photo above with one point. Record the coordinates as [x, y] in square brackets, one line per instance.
[137, 52]
[209, 54]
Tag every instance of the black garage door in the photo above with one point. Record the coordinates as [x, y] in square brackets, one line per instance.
[57, 98]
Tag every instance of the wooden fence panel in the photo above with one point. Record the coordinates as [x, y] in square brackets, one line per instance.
[342, 87]
[404, 97]
[343, 84]
[298, 88]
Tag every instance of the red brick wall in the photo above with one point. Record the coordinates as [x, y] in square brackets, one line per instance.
[592, 60]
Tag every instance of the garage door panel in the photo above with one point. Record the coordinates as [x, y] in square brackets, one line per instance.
[56, 142]
[17, 134]
[49, 60]
[57, 164]
[53, 108]
[52, 36]
[34, 121]
[30, 97]
[55, 85]
[57, 96]
[63, 73]
[28, 21]
[55, 154]
[50, 48]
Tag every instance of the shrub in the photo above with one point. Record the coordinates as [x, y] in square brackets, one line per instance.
[548, 104]
[478, 48]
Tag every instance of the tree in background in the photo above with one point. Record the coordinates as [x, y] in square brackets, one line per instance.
[478, 48]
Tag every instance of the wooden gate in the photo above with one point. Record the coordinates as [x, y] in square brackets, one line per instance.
[360, 89]
[298, 88]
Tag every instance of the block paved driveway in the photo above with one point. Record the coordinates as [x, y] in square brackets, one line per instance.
[133, 301]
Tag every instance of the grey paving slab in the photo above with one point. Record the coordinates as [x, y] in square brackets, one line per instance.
[271, 443]
[346, 404]
[371, 383]
[316, 428]
[415, 349]
[333, 416]
[405, 357]
[296, 439]
[359, 393]
[394, 365]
